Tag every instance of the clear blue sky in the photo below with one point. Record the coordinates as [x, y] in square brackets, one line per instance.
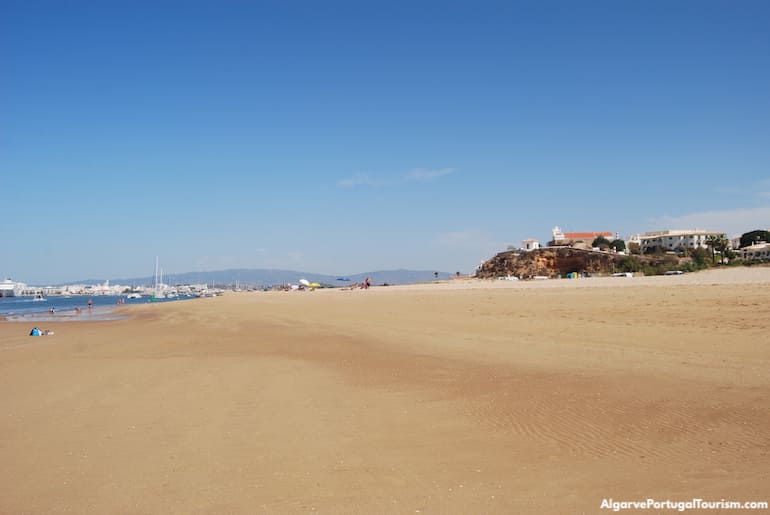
[342, 137]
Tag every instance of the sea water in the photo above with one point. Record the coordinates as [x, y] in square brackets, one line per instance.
[61, 308]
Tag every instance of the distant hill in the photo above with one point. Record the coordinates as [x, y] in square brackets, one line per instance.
[260, 277]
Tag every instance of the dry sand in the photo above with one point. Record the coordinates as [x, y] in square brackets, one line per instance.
[466, 397]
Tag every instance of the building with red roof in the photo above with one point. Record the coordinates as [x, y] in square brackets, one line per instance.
[568, 238]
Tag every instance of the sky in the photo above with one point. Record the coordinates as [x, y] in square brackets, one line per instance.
[343, 137]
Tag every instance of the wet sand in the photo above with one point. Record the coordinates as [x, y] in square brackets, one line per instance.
[461, 397]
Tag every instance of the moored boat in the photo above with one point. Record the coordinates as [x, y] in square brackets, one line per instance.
[7, 288]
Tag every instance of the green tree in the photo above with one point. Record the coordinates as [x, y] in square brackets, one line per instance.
[618, 244]
[601, 242]
[699, 256]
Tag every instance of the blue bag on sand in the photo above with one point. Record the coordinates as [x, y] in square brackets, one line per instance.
[35, 332]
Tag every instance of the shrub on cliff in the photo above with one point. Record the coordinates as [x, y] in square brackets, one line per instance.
[629, 264]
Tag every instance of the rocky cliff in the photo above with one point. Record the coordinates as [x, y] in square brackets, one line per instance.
[551, 262]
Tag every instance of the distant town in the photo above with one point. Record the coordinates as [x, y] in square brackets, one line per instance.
[752, 245]
[9, 288]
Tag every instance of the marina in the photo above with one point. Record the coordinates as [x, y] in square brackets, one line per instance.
[19, 301]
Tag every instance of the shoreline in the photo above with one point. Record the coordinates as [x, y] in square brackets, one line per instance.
[73, 308]
[100, 313]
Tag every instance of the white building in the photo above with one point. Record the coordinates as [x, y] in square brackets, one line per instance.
[530, 244]
[675, 239]
[756, 251]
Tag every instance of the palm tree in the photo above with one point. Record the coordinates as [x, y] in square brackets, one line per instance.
[717, 242]
[723, 246]
[711, 243]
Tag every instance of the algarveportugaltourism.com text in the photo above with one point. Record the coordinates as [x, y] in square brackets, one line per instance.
[694, 504]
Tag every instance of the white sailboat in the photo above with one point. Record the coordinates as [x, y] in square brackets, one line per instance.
[158, 292]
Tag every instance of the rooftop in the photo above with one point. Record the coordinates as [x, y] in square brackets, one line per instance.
[585, 235]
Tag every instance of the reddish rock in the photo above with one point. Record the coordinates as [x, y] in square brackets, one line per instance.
[551, 262]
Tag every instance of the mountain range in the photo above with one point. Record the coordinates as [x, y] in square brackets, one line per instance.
[246, 277]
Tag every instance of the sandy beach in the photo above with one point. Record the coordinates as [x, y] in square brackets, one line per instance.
[457, 397]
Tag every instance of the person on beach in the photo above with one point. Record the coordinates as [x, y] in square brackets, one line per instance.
[90, 304]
